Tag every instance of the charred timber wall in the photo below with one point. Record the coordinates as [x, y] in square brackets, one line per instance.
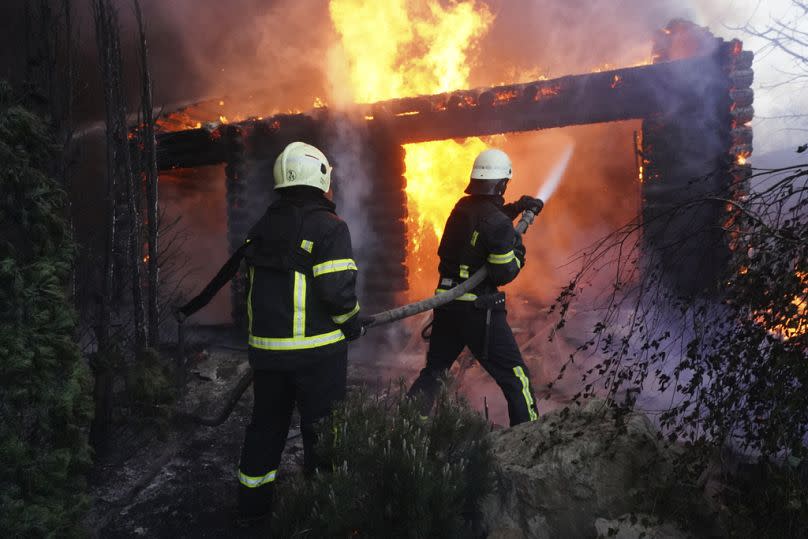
[692, 159]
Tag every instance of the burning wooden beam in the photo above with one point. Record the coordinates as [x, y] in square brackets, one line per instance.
[621, 94]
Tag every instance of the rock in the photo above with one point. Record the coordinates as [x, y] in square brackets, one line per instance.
[637, 527]
[559, 474]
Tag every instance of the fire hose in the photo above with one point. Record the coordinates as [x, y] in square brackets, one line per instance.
[386, 317]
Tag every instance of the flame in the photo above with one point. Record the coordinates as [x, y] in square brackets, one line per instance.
[423, 49]
[797, 325]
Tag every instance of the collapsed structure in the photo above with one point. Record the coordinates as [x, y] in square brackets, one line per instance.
[694, 100]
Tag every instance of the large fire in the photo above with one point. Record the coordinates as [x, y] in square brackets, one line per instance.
[403, 48]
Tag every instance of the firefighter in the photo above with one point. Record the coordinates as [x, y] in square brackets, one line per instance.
[301, 310]
[480, 232]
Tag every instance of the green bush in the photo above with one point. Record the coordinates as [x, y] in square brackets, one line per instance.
[44, 394]
[388, 472]
[149, 384]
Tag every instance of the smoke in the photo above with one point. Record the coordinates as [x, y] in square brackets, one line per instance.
[352, 187]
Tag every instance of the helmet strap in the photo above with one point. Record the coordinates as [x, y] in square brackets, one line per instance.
[501, 186]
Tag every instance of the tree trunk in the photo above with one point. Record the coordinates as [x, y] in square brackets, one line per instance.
[123, 168]
[103, 382]
[150, 171]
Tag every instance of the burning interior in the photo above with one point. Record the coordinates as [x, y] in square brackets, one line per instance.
[684, 128]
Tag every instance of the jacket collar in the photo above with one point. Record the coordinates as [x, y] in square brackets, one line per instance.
[496, 200]
[296, 196]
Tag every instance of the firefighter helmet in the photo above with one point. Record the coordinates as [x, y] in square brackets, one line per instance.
[302, 164]
[490, 173]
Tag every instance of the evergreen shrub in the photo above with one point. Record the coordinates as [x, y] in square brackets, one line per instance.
[44, 390]
[389, 472]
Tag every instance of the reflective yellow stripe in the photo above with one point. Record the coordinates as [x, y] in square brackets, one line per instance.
[465, 297]
[253, 482]
[518, 263]
[474, 237]
[307, 245]
[249, 300]
[503, 258]
[464, 271]
[341, 319]
[299, 313]
[296, 343]
[520, 373]
[332, 266]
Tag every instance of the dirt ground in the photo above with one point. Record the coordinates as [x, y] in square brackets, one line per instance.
[174, 478]
[177, 479]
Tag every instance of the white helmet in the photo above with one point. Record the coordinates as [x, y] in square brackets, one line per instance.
[490, 168]
[492, 164]
[302, 164]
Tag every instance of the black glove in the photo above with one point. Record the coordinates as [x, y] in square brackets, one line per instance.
[529, 203]
[519, 249]
[353, 328]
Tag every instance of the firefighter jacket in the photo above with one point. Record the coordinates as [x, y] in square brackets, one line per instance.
[301, 279]
[480, 232]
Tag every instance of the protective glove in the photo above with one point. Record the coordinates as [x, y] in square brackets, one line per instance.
[353, 328]
[529, 203]
[519, 249]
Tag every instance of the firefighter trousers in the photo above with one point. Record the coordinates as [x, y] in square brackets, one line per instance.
[459, 326]
[315, 389]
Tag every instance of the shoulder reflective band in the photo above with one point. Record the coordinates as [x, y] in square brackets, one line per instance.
[465, 297]
[307, 245]
[464, 271]
[503, 258]
[341, 319]
[299, 314]
[249, 300]
[253, 482]
[520, 373]
[296, 343]
[331, 266]
[474, 237]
